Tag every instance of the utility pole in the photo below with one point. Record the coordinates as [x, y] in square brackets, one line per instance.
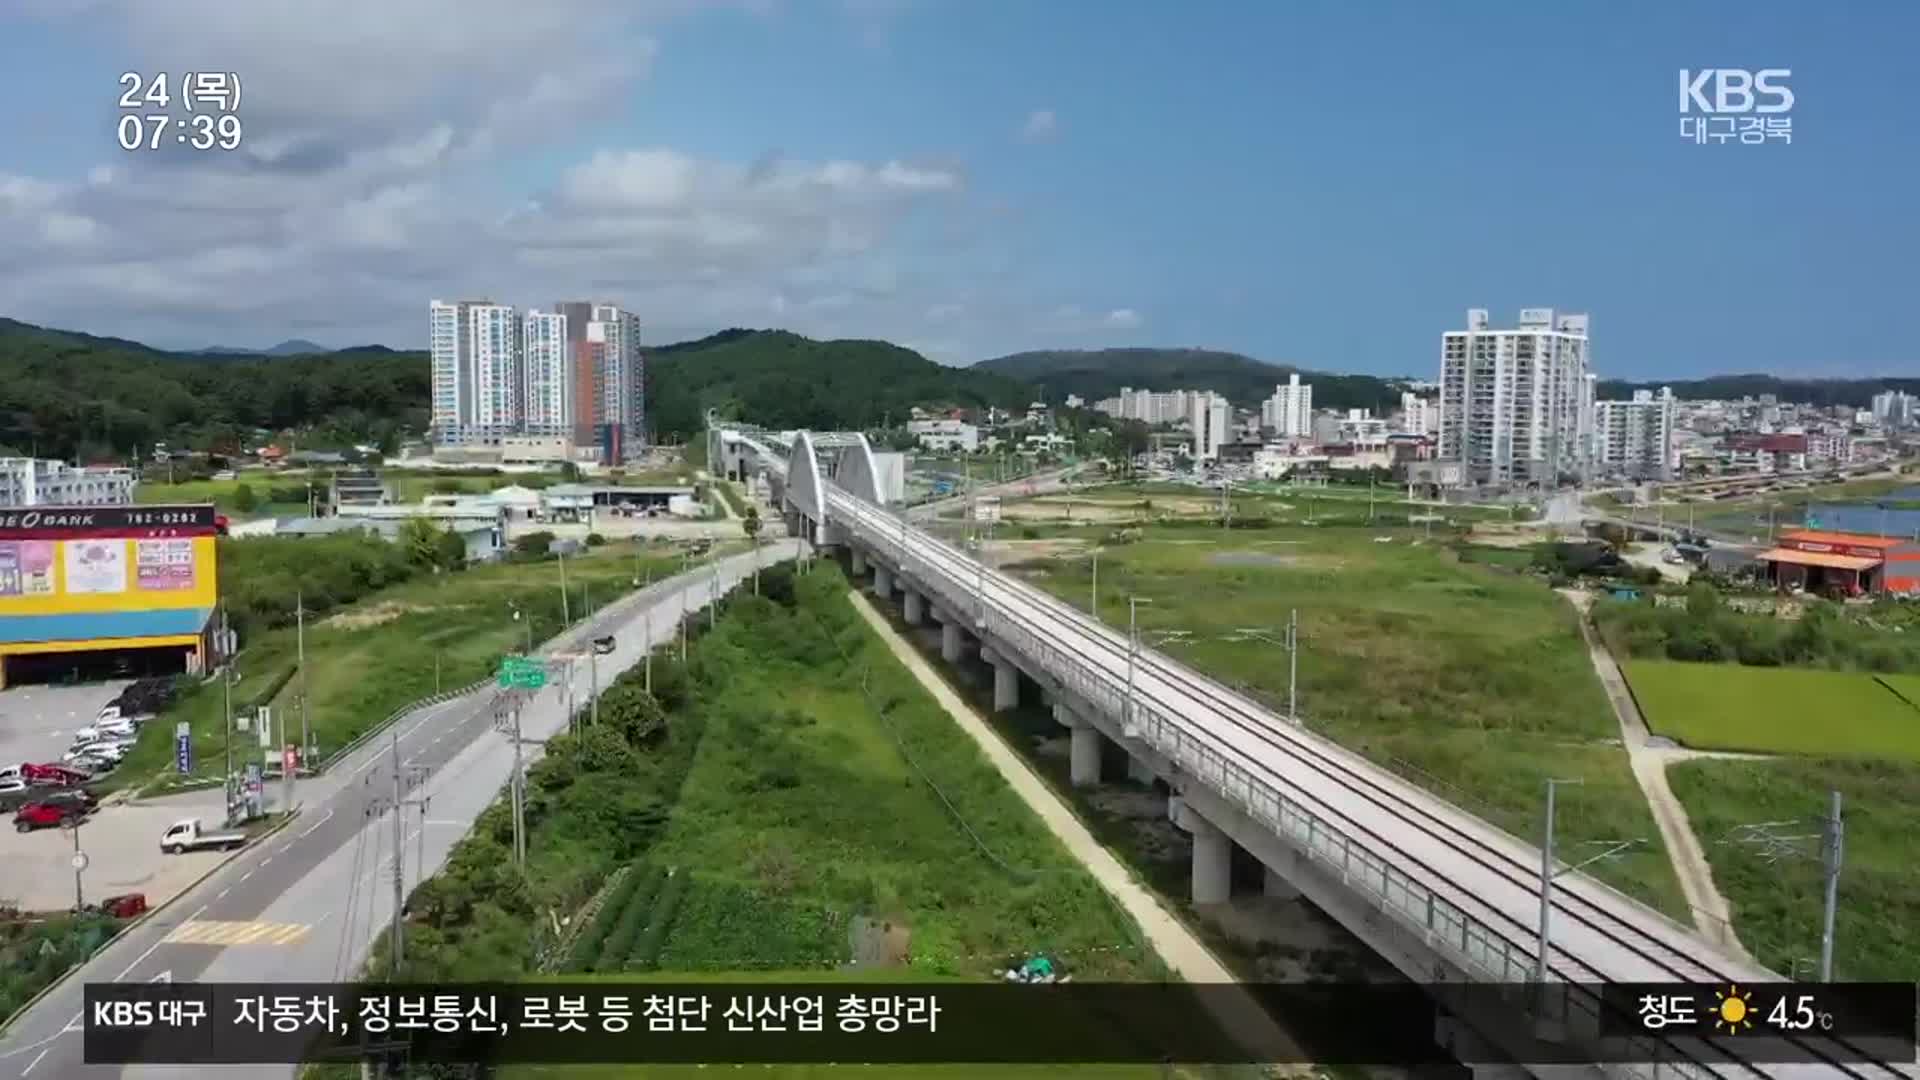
[593, 664]
[1093, 590]
[566, 617]
[1293, 665]
[1835, 842]
[300, 637]
[399, 869]
[646, 622]
[1609, 849]
[226, 662]
[1133, 649]
[519, 793]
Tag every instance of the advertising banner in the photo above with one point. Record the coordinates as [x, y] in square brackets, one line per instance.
[96, 566]
[63, 522]
[163, 564]
[26, 568]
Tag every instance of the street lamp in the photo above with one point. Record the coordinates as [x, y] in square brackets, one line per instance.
[529, 624]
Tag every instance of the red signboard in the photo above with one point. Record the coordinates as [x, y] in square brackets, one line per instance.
[1816, 548]
[82, 522]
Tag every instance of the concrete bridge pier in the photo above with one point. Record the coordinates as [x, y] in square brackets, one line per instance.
[1085, 760]
[1006, 680]
[1212, 854]
[859, 561]
[915, 606]
[882, 582]
[952, 644]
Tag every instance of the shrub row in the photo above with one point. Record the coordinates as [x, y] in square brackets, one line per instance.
[586, 948]
[632, 918]
[647, 950]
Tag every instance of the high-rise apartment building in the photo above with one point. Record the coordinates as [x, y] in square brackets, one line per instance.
[1210, 417]
[1516, 405]
[1289, 412]
[574, 372]
[547, 366]
[1636, 437]
[1418, 415]
[478, 387]
[1894, 408]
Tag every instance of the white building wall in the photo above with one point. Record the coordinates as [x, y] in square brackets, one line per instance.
[1515, 405]
[1209, 415]
[549, 375]
[1289, 412]
[47, 482]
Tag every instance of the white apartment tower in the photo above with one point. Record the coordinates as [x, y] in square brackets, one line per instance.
[1636, 437]
[478, 386]
[1418, 415]
[1289, 412]
[1210, 416]
[1516, 405]
[547, 398]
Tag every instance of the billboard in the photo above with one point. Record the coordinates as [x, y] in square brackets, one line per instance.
[106, 560]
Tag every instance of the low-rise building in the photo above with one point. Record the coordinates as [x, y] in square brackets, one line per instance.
[42, 482]
[945, 434]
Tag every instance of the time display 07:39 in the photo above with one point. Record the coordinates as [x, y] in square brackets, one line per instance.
[200, 131]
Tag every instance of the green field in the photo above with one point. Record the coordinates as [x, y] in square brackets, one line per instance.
[1776, 710]
[1777, 904]
[1470, 680]
[391, 647]
[153, 488]
[1906, 686]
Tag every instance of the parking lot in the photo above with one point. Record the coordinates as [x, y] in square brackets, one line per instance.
[37, 722]
[122, 843]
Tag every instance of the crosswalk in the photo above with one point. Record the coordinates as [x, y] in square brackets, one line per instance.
[248, 932]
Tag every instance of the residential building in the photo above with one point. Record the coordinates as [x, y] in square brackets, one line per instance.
[1515, 405]
[1361, 428]
[1150, 407]
[477, 385]
[357, 487]
[945, 434]
[619, 386]
[1209, 416]
[1895, 408]
[43, 482]
[1636, 437]
[546, 365]
[1418, 415]
[1289, 412]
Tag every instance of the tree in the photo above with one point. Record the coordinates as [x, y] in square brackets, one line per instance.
[751, 523]
[243, 499]
[420, 539]
[450, 551]
[533, 545]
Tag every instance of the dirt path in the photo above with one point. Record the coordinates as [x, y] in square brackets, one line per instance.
[1182, 951]
[1711, 915]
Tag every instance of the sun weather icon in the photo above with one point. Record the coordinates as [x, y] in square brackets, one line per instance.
[1735, 1012]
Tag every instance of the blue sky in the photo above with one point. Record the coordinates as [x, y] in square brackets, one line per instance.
[1329, 184]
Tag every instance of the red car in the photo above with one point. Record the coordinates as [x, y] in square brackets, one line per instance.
[44, 815]
[54, 775]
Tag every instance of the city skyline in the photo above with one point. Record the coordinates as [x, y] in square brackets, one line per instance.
[1264, 193]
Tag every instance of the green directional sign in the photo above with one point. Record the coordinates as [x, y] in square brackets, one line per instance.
[521, 672]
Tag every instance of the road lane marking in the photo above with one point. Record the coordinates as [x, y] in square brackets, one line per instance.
[317, 824]
[35, 1061]
[245, 932]
[266, 860]
[246, 875]
[222, 894]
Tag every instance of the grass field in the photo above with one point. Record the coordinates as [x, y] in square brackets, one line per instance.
[1906, 686]
[390, 648]
[153, 488]
[1469, 680]
[805, 807]
[1776, 710]
[1777, 905]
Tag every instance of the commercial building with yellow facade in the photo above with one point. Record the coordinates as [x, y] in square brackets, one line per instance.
[87, 586]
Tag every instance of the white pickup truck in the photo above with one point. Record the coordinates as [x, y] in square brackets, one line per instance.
[184, 836]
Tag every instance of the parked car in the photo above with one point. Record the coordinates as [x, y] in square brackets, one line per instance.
[187, 835]
[13, 772]
[119, 907]
[104, 751]
[46, 815]
[51, 775]
[116, 728]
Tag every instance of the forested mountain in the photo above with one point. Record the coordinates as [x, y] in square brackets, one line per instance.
[1820, 392]
[783, 380]
[77, 396]
[1099, 373]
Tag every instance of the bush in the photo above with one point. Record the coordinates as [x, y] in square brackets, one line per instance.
[586, 948]
[243, 498]
[613, 953]
[532, 546]
[594, 539]
[646, 951]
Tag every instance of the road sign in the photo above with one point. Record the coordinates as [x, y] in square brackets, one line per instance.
[289, 760]
[266, 716]
[183, 751]
[522, 672]
[79, 860]
[254, 776]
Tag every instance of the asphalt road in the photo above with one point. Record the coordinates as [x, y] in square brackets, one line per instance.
[306, 903]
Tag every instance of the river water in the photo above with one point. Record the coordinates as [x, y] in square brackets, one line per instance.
[1867, 517]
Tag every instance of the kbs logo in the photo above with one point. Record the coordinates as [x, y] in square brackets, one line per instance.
[1721, 103]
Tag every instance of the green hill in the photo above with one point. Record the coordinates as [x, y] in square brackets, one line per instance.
[780, 379]
[71, 395]
[1099, 373]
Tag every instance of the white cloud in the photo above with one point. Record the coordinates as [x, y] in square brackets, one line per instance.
[1123, 318]
[1041, 126]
